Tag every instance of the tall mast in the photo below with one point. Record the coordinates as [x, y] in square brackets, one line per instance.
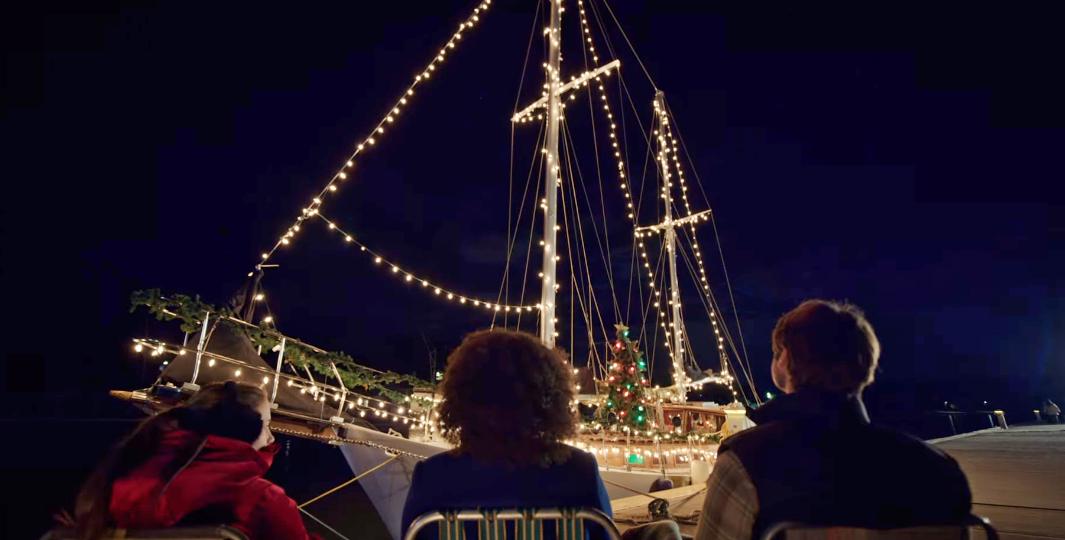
[677, 329]
[551, 177]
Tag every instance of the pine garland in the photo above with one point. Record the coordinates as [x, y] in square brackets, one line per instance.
[191, 309]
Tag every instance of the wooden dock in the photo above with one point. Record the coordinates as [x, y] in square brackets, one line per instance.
[1017, 477]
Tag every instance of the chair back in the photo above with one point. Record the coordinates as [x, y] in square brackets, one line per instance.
[790, 530]
[513, 523]
[220, 532]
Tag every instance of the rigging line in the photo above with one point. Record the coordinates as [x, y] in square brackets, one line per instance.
[512, 240]
[741, 368]
[532, 232]
[710, 303]
[575, 262]
[538, 164]
[744, 365]
[707, 300]
[594, 301]
[510, 188]
[604, 253]
[360, 476]
[717, 238]
[631, 48]
[322, 523]
[661, 317]
[636, 240]
[655, 300]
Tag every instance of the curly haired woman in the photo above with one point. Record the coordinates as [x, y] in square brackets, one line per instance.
[507, 407]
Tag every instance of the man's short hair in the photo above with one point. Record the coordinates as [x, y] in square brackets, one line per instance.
[830, 344]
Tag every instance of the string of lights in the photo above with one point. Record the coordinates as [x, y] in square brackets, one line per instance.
[378, 132]
[668, 144]
[740, 359]
[626, 190]
[412, 279]
[362, 404]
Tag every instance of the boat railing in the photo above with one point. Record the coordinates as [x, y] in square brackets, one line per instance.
[318, 390]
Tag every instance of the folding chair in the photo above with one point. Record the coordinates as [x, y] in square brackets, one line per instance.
[513, 523]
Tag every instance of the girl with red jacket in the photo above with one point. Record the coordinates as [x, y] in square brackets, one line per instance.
[196, 464]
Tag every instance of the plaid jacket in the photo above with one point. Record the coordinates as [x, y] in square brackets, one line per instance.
[731, 503]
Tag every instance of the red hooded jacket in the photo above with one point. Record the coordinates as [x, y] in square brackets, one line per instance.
[227, 474]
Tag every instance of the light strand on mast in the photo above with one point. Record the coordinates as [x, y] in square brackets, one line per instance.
[377, 133]
[412, 279]
[666, 134]
[626, 190]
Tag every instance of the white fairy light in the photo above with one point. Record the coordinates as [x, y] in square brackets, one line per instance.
[409, 277]
[389, 118]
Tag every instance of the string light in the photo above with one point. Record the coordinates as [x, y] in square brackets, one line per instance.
[626, 189]
[666, 135]
[338, 178]
[409, 277]
[321, 391]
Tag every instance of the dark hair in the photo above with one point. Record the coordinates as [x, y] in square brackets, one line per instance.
[830, 344]
[225, 409]
[507, 398]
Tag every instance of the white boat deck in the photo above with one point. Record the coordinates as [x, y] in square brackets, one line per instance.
[1017, 477]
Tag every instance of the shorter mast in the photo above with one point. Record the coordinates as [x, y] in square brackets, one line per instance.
[669, 228]
[680, 378]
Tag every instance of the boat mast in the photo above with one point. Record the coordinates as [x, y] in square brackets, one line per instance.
[552, 177]
[680, 378]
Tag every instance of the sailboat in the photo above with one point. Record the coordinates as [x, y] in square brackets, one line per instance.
[384, 422]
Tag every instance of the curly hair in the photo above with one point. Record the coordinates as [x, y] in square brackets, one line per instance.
[507, 398]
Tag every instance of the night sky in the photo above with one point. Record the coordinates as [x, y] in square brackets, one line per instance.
[902, 158]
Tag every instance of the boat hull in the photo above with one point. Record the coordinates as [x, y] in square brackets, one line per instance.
[387, 487]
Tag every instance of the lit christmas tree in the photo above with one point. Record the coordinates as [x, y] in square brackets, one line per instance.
[626, 403]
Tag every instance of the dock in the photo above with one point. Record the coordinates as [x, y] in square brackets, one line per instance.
[1017, 477]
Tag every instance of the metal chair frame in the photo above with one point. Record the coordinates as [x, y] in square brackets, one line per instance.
[513, 514]
[972, 520]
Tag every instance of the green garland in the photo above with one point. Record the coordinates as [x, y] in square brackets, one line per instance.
[190, 310]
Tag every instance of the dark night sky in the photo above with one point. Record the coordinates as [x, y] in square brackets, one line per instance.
[904, 159]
